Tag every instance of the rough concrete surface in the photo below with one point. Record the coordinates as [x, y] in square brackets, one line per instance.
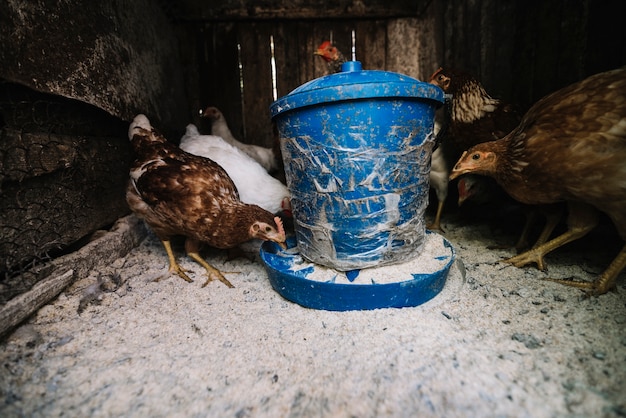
[497, 341]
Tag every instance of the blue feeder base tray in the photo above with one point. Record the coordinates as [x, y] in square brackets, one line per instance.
[319, 287]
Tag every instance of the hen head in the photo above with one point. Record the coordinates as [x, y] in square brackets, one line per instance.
[328, 52]
[266, 232]
[212, 113]
[440, 79]
[479, 159]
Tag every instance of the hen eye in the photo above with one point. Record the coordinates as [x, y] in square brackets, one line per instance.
[476, 157]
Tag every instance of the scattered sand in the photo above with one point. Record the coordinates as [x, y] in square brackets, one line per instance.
[497, 341]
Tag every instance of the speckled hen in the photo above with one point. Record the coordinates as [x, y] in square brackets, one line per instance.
[471, 116]
[569, 147]
[178, 193]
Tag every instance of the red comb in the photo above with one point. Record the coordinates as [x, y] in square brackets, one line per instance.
[279, 224]
[324, 45]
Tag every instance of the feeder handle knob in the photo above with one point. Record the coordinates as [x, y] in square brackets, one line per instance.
[351, 66]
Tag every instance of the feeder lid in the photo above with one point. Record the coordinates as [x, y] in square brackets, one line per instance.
[355, 83]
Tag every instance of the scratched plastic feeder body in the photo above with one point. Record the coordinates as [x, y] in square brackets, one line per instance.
[356, 147]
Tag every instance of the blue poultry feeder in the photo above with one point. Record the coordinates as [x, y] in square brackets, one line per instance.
[357, 147]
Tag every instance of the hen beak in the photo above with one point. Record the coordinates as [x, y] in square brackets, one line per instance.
[459, 169]
[458, 172]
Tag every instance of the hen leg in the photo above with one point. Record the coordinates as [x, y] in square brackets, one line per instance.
[438, 177]
[192, 247]
[582, 219]
[522, 242]
[606, 281]
[174, 267]
[436, 224]
[553, 216]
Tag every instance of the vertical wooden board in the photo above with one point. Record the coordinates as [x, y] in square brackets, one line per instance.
[523, 56]
[572, 40]
[219, 73]
[432, 38]
[428, 47]
[497, 42]
[311, 66]
[546, 25]
[463, 37]
[471, 36]
[191, 38]
[605, 45]
[254, 38]
[293, 48]
[454, 34]
[400, 58]
[371, 43]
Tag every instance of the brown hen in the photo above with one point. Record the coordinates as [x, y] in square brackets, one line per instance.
[178, 193]
[570, 146]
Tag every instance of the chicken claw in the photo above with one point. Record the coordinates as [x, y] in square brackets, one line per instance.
[174, 267]
[528, 257]
[605, 282]
[212, 272]
[435, 225]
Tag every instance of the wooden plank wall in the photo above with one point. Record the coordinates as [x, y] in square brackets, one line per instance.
[520, 50]
[294, 45]
[523, 50]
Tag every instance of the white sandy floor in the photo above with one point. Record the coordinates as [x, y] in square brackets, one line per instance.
[497, 341]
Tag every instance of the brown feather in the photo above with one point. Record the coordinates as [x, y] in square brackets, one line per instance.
[475, 116]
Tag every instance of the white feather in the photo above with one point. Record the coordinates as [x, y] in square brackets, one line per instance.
[264, 156]
[253, 182]
[140, 121]
[439, 173]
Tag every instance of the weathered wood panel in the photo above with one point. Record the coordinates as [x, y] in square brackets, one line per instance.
[226, 45]
[522, 50]
[292, 9]
[63, 174]
[119, 56]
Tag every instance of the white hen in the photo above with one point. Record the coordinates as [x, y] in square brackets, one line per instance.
[264, 156]
[254, 184]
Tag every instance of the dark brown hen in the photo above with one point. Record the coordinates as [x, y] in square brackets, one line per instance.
[178, 193]
[475, 116]
[472, 117]
[569, 147]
